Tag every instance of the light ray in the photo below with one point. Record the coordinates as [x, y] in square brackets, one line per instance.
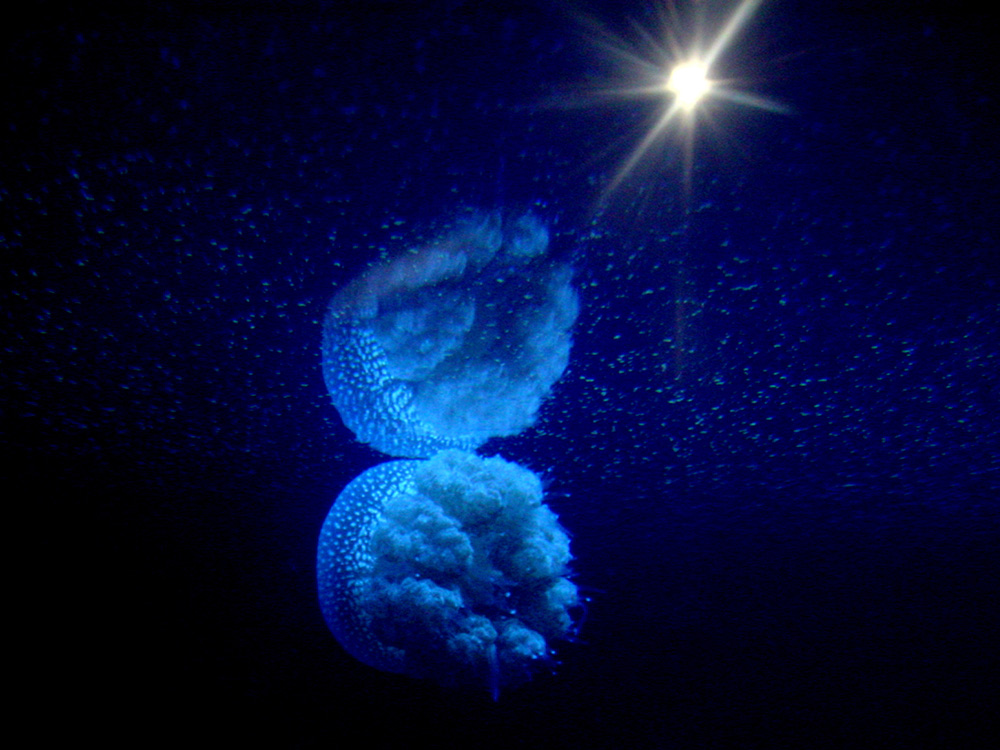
[736, 21]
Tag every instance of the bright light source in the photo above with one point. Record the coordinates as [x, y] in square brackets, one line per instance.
[679, 71]
[689, 83]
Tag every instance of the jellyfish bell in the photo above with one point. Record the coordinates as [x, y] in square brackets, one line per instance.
[451, 568]
[451, 343]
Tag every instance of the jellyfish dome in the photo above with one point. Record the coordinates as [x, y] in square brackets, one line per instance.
[451, 568]
[451, 343]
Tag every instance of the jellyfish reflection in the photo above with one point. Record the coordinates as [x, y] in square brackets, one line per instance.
[451, 343]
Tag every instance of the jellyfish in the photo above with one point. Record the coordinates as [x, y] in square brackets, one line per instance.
[451, 343]
[451, 568]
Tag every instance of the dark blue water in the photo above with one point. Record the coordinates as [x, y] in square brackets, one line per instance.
[775, 446]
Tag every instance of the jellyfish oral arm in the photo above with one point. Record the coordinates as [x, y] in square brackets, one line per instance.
[412, 580]
[412, 270]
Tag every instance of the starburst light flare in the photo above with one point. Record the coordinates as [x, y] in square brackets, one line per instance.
[677, 71]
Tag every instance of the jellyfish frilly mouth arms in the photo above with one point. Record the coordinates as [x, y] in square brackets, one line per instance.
[452, 569]
[409, 271]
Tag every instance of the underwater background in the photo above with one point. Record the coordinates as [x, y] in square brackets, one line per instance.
[774, 447]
